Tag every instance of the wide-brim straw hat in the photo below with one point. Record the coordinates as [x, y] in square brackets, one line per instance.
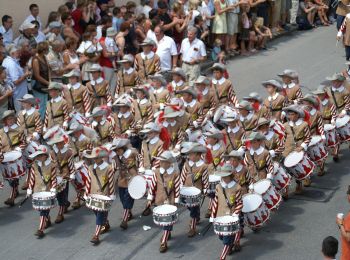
[224, 170]
[336, 76]
[272, 82]
[179, 71]
[150, 127]
[255, 136]
[166, 156]
[97, 152]
[218, 66]
[28, 98]
[72, 73]
[42, 149]
[214, 133]
[295, 109]
[55, 86]
[95, 68]
[8, 113]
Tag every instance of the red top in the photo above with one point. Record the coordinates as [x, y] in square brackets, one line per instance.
[345, 245]
[105, 61]
[76, 15]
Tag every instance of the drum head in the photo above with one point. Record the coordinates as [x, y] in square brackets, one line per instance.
[214, 178]
[42, 194]
[190, 191]
[137, 187]
[226, 219]
[315, 139]
[11, 156]
[328, 127]
[262, 186]
[342, 121]
[165, 209]
[100, 197]
[251, 202]
[293, 159]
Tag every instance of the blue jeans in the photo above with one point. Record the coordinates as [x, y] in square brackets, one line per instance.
[340, 20]
[42, 104]
[125, 198]
[101, 217]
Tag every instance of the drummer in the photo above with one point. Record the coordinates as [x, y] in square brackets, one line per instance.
[179, 79]
[297, 136]
[227, 202]
[127, 167]
[195, 174]
[123, 117]
[98, 88]
[127, 76]
[208, 99]
[257, 104]
[274, 143]
[63, 154]
[329, 114]
[223, 87]
[217, 147]
[257, 157]
[142, 106]
[12, 138]
[147, 63]
[247, 116]
[57, 108]
[165, 189]
[291, 88]
[161, 94]
[316, 123]
[43, 174]
[78, 95]
[103, 125]
[100, 181]
[275, 101]
[233, 132]
[339, 94]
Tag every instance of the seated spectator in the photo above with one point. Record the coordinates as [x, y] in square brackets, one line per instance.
[26, 30]
[262, 33]
[217, 55]
[38, 35]
[306, 15]
[322, 12]
[329, 248]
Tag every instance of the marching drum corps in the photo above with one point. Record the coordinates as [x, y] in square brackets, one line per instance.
[170, 145]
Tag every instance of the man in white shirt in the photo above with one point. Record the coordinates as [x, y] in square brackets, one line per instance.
[166, 50]
[193, 53]
[34, 15]
[6, 29]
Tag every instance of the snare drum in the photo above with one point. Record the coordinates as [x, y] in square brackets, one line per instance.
[61, 184]
[226, 225]
[44, 200]
[13, 165]
[299, 165]
[165, 215]
[137, 187]
[81, 175]
[31, 148]
[269, 194]
[316, 149]
[254, 210]
[331, 135]
[98, 202]
[343, 128]
[190, 196]
[281, 179]
[213, 181]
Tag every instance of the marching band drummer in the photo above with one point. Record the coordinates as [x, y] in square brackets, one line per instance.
[147, 63]
[316, 123]
[63, 155]
[274, 143]
[42, 178]
[102, 125]
[179, 79]
[142, 106]
[57, 108]
[78, 96]
[223, 87]
[12, 138]
[98, 88]
[339, 93]
[127, 167]
[297, 136]
[195, 174]
[233, 131]
[329, 114]
[165, 189]
[161, 94]
[206, 95]
[247, 117]
[257, 104]
[217, 147]
[127, 77]
[124, 119]
[292, 90]
[257, 157]
[100, 181]
[275, 101]
[227, 201]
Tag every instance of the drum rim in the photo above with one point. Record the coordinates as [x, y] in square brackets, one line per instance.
[255, 194]
[294, 153]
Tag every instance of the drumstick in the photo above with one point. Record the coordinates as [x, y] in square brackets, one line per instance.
[23, 201]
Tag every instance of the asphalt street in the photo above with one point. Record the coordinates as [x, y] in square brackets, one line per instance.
[294, 232]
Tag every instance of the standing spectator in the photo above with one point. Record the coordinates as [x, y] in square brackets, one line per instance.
[140, 28]
[342, 10]
[34, 15]
[285, 13]
[117, 18]
[232, 25]
[16, 75]
[166, 50]
[68, 31]
[39, 36]
[106, 22]
[220, 22]
[146, 7]
[344, 226]
[2, 54]
[83, 15]
[53, 17]
[70, 56]
[5, 92]
[27, 30]
[6, 29]
[179, 29]
[54, 33]
[41, 75]
[63, 9]
[120, 37]
[168, 23]
[193, 53]
[131, 44]
[103, 7]
[329, 248]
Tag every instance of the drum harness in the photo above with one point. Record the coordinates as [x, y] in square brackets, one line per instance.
[102, 188]
[9, 140]
[149, 154]
[41, 175]
[167, 192]
[226, 199]
[334, 99]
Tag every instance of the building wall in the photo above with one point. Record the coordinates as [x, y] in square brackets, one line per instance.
[19, 9]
